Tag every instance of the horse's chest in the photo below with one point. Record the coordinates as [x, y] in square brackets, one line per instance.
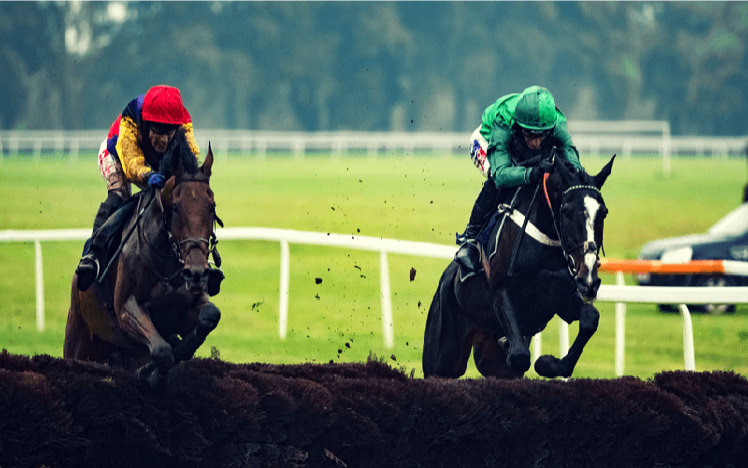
[171, 302]
[538, 299]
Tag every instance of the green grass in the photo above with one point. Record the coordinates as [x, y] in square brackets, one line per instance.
[414, 198]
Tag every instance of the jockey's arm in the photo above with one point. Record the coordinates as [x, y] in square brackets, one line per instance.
[131, 155]
[564, 144]
[503, 172]
[190, 136]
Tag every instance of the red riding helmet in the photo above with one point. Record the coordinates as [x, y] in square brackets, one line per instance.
[163, 104]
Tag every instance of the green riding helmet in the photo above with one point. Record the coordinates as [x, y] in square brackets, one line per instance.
[536, 110]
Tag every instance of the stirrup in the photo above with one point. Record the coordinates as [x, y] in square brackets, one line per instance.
[469, 235]
[88, 270]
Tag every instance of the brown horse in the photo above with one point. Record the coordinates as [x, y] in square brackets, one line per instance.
[541, 260]
[151, 309]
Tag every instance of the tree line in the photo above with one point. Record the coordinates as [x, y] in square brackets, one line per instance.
[374, 66]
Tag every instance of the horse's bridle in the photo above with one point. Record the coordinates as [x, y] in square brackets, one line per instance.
[193, 242]
[587, 246]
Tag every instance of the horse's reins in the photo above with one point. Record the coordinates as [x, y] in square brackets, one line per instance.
[517, 242]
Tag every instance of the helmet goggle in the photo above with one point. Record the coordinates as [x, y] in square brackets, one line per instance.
[163, 129]
[527, 133]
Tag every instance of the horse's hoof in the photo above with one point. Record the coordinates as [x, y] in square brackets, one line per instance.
[208, 319]
[163, 357]
[519, 361]
[547, 366]
[155, 379]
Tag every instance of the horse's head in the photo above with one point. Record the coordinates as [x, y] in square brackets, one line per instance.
[189, 216]
[579, 214]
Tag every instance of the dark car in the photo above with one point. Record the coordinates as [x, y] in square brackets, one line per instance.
[726, 240]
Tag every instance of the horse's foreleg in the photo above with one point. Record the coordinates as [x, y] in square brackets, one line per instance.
[517, 352]
[138, 326]
[549, 366]
[207, 321]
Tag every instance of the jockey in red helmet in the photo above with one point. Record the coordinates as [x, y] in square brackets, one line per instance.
[517, 127]
[131, 154]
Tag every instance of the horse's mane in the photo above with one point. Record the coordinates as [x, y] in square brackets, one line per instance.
[178, 152]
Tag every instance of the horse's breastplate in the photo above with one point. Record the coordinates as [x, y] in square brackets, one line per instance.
[530, 230]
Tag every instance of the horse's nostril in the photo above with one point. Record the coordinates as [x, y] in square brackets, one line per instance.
[196, 276]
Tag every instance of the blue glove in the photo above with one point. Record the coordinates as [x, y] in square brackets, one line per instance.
[156, 180]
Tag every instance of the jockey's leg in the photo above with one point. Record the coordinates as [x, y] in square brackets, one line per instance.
[118, 187]
[89, 266]
[468, 255]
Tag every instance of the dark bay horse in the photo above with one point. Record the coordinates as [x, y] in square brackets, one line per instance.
[530, 275]
[151, 309]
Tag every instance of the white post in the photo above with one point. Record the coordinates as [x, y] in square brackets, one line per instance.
[371, 149]
[536, 347]
[563, 338]
[299, 146]
[284, 280]
[37, 151]
[262, 148]
[666, 148]
[387, 325]
[39, 287]
[74, 148]
[620, 328]
[688, 352]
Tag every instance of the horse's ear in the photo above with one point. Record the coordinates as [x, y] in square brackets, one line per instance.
[206, 168]
[604, 173]
[168, 189]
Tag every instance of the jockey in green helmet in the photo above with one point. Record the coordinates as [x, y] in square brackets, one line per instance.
[515, 128]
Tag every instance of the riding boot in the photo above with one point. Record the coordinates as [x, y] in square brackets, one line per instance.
[468, 255]
[89, 266]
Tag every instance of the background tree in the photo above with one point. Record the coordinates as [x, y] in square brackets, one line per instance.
[374, 66]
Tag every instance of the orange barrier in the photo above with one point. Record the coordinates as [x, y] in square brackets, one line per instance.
[654, 266]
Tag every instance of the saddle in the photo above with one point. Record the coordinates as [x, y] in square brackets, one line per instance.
[109, 235]
[502, 200]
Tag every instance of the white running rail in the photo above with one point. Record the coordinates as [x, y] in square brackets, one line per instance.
[619, 293]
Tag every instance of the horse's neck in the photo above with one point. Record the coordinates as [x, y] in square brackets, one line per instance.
[153, 235]
[539, 214]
